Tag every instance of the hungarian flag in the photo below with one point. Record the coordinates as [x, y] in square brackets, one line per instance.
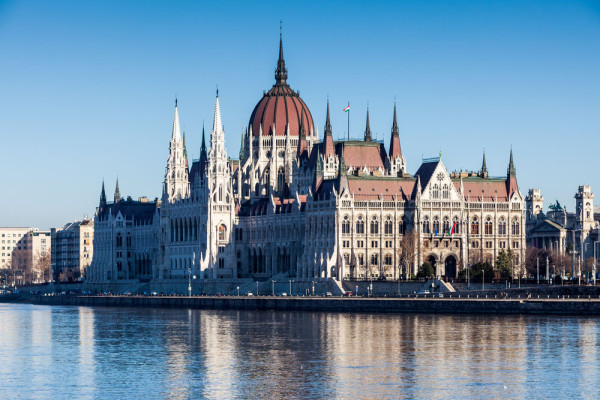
[451, 230]
[347, 108]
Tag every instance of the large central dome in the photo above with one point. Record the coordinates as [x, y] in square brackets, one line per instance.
[281, 106]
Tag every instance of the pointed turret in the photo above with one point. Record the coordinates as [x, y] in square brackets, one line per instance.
[102, 196]
[302, 150]
[117, 197]
[395, 149]
[242, 148]
[203, 146]
[328, 140]
[368, 129]
[511, 166]
[176, 135]
[281, 71]
[484, 171]
[511, 176]
[185, 156]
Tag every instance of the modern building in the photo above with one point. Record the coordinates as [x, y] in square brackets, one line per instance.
[72, 250]
[300, 205]
[23, 253]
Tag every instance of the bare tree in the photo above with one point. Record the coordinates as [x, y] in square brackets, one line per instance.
[406, 251]
[42, 264]
[19, 267]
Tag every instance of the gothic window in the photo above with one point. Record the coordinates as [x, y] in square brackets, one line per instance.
[347, 259]
[515, 227]
[388, 259]
[220, 192]
[445, 192]
[257, 188]
[436, 191]
[436, 225]
[456, 225]
[475, 226]
[374, 226]
[222, 232]
[489, 227]
[446, 225]
[360, 225]
[374, 259]
[119, 240]
[401, 226]
[389, 227]
[361, 259]
[502, 226]
[346, 225]
[280, 179]
[426, 225]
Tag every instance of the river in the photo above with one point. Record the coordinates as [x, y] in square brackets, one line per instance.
[117, 353]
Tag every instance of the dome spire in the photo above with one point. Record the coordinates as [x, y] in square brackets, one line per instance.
[281, 71]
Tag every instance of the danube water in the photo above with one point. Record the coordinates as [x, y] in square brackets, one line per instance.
[117, 353]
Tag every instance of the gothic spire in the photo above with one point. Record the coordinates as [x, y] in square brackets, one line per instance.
[242, 149]
[395, 150]
[484, 171]
[117, 193]
[281, 71]
[328, 139]
[176, 135]
[203, 146]
[102, 196]
[185, 150]
[368, 129]
[511, 166]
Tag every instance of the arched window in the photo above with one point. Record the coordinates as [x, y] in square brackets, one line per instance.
[436, 225]
[222, 232]
[388, 259]
[220, 192]
[456, 226]
[446, 226]
[360, 225]
[445, 192]
[515, 227]
[436, 191]
[374, 226]
[389, 227]
[426, 225]
[502, 226]
[475, 226]
[401, 226]
[345, 225]
[119, 240]
[280, 179]
[489, 227]
[374, 259]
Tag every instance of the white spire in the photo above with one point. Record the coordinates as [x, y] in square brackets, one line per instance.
[217, 126]
[176, 136]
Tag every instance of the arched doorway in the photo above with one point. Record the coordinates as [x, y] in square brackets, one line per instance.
[450, 265]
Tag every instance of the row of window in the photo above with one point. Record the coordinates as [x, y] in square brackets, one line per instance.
[388, 227]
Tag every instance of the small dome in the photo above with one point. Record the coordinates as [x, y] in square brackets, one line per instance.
[281, 106]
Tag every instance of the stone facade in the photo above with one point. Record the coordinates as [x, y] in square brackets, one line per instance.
[295, 206]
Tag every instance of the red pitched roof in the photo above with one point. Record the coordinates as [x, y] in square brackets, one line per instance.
[368, 188]
[479, 189]
[358, 154]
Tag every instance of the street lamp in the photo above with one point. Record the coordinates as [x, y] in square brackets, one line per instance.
[238, 289]
[257, 288]
[273, 288]
[189, 282]
[313, 288]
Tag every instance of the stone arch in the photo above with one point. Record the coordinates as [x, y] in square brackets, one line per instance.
[450, 269]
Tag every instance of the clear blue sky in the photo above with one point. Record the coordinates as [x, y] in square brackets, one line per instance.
[88, 87]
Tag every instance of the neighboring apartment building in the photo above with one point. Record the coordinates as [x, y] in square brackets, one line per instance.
[72, 250]
[24, 252]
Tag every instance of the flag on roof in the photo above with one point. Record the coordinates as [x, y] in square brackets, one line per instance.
[347, 108]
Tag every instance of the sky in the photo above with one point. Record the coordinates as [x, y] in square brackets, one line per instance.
[88, 88]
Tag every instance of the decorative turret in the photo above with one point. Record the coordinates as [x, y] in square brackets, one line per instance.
[397, 165]
[117, 197]
[302, 150]
[511, 176]
[281, 71]
[203, 155]
[328, 140]
[176, 183]
[484, 171]
[102, 205]
[185, 156]
[242, 148]
[368, 129]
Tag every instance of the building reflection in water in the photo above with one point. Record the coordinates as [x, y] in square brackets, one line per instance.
[72, 352]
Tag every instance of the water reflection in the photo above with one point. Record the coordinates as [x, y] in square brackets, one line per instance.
[158, 353]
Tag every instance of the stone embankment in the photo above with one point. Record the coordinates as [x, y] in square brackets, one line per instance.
[447, 305]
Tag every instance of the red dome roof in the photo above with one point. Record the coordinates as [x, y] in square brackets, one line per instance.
[281, 106]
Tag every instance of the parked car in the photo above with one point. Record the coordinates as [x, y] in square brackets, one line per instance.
[250, 294]
[424, 292]
[348, 294]
[328, 294]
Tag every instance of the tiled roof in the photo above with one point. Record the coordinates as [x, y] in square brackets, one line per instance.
[483, 189]
[426, 170]
[388, 188]
[357, 154]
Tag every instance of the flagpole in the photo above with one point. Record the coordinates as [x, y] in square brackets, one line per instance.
[348, 120]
